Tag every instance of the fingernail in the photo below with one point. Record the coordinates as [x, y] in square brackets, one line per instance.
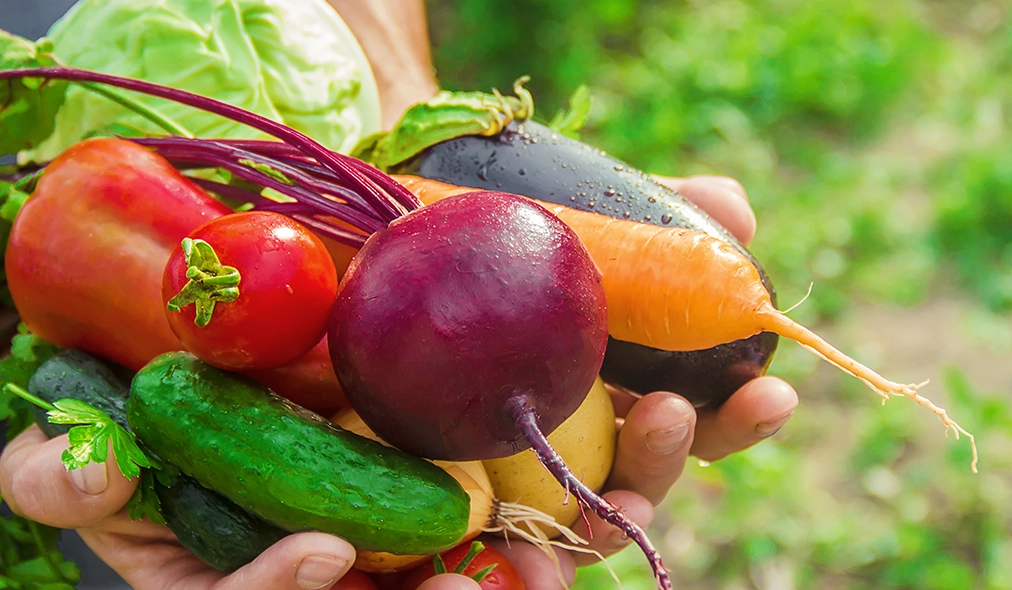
[319, 571]
[92, 479]
[770, 428]
[663, 442]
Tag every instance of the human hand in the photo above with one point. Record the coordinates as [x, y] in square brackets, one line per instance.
[34, 483]
[658, 431]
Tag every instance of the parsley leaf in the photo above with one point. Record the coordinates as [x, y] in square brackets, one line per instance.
[145, 503]
[89, 441]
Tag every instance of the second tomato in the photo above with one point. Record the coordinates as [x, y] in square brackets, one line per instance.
[249, 290]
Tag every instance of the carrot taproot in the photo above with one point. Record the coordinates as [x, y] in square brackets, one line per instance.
[678, 289]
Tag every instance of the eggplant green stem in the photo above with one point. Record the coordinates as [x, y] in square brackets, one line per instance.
[210, 282]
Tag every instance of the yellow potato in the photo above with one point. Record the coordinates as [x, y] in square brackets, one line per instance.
[471, 476]
[586, 441]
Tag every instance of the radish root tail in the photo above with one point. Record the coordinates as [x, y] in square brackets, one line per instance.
[523, 522]
[777, 322]
[525, 418]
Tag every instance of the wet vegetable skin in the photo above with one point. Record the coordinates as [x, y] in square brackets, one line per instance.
[529, 159]
[283, 282]
[88, 250]
[481, 299]
[290, 466]
[209, 525]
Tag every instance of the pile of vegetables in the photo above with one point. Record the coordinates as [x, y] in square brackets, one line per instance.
[491, 369]
[464, 329]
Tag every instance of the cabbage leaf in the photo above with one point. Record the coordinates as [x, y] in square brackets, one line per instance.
[294, 61]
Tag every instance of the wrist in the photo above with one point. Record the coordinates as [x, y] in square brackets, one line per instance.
[394, 37]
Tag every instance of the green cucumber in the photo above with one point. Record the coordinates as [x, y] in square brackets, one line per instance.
[79, 376]
[290, 466]
[210, 526]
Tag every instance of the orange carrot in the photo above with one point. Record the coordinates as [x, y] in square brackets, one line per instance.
[678, 289]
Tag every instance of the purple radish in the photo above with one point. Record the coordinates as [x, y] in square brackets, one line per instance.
[471, 328]
[451, 312]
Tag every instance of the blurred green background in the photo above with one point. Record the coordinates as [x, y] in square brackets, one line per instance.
[873, 138]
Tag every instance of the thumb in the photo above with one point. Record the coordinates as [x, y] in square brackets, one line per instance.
[303, 561]
[36, 485]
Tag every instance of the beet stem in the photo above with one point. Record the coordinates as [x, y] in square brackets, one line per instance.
[385, 194]
[527, 420]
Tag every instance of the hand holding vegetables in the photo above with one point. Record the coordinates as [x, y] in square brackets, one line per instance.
[35, 484]
[508, 269]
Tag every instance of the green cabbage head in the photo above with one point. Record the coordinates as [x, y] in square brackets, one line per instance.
[294, 61]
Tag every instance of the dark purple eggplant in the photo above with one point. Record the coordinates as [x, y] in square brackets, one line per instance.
[530, 159]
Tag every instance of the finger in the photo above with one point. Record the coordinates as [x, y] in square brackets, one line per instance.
[537, 569]
[756, 411]
[147, 555]
[450, 582]
[723, 199]
[34, 482]
[621, 399]
[653, 445]
[303, 561]
[605, 538]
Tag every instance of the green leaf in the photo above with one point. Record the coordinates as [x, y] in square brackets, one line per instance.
[446, 116]
[12, 200]
[72, 411]
[89, 442]
[37, 571]
[128, 455]
[28, 352]
[27, 106]
[145, 503]
[30, 349]
[570, 122]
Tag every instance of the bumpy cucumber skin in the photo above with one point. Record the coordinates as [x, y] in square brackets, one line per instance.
[77, 375]
[212, 527]
[209, 525]
[290, 466]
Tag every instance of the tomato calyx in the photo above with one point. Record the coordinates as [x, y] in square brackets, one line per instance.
[210, 282]
[476, 547]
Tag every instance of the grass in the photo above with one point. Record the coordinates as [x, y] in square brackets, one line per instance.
[873, 140]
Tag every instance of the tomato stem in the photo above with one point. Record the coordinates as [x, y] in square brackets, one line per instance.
[527, 420]
[210, 282]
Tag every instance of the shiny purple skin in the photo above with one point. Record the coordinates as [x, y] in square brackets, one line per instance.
[453, 310]
[530, 159]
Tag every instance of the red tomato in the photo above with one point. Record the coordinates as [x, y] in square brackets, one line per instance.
[285, 281]
[504, 576]
[355, 580]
